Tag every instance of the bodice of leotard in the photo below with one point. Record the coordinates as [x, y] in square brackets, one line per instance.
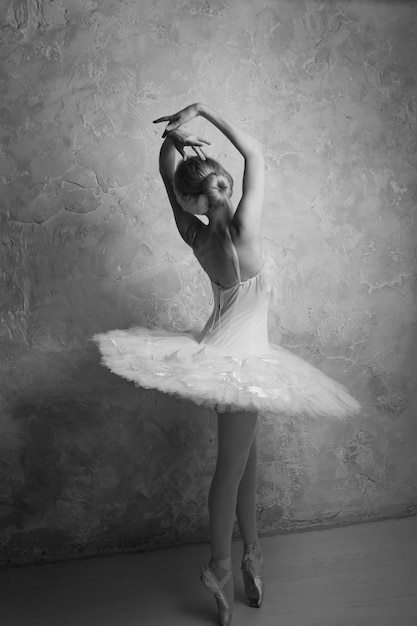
[238, 323]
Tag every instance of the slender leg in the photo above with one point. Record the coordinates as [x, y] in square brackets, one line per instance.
[236, 433]
[246, 499]
[252, 561]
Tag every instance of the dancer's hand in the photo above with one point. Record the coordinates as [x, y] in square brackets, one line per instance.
[178, 119]
[181, 138]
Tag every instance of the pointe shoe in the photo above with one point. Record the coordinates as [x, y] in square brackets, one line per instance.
[223, 592]
[252, 564]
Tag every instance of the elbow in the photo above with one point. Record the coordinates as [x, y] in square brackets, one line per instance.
[256, 150]
[256, 153]
[257, 145]
[259, 148]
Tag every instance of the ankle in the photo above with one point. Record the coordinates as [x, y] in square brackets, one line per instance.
[253, 555]
[221, 567]
[224, 563]
[249, 548]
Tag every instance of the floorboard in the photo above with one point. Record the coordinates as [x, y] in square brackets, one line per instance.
[363, 575]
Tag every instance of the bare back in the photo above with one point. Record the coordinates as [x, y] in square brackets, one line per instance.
[213, 250]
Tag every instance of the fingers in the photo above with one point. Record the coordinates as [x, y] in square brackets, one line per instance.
[200, 153]
[173, 124]
[166, 118]
[181, 138]
[170, 127]
[195, 141]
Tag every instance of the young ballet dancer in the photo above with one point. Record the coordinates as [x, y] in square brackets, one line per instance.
[230, 365]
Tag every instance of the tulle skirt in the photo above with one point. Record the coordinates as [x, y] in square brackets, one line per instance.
[277, 381]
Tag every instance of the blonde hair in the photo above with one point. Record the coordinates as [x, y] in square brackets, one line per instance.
[194, 177]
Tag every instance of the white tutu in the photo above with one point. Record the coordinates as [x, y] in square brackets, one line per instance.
[230, 365]
[178, 364]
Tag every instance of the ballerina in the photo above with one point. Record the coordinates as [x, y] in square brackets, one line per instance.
[230, 365]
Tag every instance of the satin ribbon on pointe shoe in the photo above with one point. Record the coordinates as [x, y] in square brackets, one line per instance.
[252, 564]
[224, 596]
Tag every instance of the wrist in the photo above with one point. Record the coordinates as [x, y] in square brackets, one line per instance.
[201, 109]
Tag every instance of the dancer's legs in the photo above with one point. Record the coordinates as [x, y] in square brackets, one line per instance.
[246, 499]
[252, 560]
[236, 433]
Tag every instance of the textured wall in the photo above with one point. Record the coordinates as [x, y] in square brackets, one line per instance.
[88, 462]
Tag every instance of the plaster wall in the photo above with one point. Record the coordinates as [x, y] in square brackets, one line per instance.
[90, 463]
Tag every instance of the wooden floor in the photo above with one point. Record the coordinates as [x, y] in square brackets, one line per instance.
[360, 575]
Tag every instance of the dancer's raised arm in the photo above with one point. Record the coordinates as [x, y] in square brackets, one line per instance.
[248, 213]
[187, 223]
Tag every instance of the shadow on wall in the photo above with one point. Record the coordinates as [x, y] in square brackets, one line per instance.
[86, 454]
[89, 465]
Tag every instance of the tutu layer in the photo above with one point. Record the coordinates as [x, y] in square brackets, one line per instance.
[230, 365]
[277, 381]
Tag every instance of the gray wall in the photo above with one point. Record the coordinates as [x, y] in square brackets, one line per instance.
[88, 462]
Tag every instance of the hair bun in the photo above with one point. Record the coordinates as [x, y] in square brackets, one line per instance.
[217, 188]
[223, 183]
